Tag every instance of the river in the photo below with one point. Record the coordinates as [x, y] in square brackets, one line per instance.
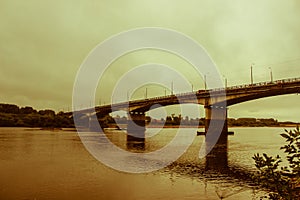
[44, 164]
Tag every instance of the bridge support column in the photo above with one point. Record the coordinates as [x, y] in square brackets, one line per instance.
[136, 130]
[103, 119]
[91, 121]
[216, 121]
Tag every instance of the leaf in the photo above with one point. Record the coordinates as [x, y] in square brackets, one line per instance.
[285, 135]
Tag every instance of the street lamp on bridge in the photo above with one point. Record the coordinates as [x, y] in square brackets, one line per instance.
[205, 86]
[251, 73]
[225, 81]
[271, 74]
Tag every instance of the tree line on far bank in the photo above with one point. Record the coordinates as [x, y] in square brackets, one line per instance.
[174, 120]
[14, 116]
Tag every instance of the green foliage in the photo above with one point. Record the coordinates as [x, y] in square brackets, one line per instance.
[13, 116]
[292, 148]
[252, 122]
[282, 182]
[27, 110]
[9, 108]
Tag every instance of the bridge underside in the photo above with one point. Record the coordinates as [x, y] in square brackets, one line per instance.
[236, 99]
[214, 100]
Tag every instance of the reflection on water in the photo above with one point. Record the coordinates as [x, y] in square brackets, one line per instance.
[37, 164]
[135, 143]
[135, 140]
[217, 158]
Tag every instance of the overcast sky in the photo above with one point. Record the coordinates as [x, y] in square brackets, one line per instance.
[43, 44]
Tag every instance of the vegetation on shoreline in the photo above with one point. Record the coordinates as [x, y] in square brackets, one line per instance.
[13, 116]
[175, 121]
[282, 182]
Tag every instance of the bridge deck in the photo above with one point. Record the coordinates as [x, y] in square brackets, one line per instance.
[261, 87]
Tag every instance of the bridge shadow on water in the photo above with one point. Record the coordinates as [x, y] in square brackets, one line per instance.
[215, 169]
[229, 179]
[214, 165]
[135, 143]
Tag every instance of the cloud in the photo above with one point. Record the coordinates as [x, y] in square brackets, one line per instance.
[44, 43]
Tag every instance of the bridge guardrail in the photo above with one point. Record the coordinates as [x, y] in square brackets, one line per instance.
[244, 86]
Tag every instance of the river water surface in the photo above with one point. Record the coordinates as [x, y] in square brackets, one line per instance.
[44, 164]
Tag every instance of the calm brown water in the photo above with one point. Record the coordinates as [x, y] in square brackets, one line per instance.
[41, 164]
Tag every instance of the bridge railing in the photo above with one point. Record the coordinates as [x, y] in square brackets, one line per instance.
[269, 83]
[244, 86]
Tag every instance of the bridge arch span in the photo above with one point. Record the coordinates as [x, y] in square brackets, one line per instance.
[254, 96]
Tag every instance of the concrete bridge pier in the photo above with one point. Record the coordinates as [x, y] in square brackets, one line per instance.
[136, 130]
[216, 158]
[91, 121]
[102, 119]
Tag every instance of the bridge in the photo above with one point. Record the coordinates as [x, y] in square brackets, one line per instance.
[215, 101]
[217, 98]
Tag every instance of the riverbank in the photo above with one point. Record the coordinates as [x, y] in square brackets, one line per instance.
[202, 126]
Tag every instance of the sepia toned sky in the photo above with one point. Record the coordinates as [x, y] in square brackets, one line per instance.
[43, 44]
